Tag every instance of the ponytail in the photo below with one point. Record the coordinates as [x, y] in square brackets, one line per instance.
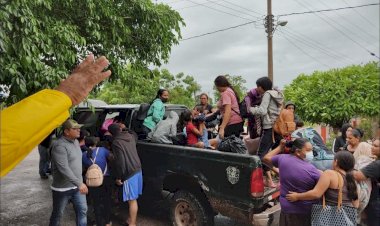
[236, 94]
[346, 162]
[352, 191]
[90, 142]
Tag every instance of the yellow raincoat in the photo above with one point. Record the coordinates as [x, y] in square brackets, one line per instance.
[25, 124]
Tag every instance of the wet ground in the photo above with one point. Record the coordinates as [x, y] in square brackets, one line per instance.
[25, 200]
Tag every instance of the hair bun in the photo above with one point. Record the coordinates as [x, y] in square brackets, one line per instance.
[289, 144]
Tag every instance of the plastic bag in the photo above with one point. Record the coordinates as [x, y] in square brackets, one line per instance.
[232, 144]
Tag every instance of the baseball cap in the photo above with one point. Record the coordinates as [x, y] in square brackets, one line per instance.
[71, 124]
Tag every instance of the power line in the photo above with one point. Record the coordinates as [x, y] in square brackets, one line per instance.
[317, 48]
[353, 24]
[361, 15]
[253, 11]
[317, 44]
[291, 42]
[220, 30]
[227, 7]
[221, 11]
[336, 28]
[175, 2]
[196, 5]
[251, 22]
[328, 10]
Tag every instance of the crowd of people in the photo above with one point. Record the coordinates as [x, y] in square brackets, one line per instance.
[350, 183]
[305, 173]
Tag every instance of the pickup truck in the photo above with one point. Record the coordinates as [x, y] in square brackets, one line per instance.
[201, 182]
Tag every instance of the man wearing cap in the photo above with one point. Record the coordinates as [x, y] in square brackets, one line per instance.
[66, 159]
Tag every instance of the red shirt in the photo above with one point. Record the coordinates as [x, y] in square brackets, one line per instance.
[192, 138]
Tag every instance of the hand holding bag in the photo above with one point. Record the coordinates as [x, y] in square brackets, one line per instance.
[322, 215]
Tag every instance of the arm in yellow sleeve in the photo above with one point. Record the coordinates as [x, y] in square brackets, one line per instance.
[25, 124]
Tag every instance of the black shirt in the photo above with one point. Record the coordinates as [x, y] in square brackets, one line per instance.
[206, 109]
[373, 171]
[340, 142]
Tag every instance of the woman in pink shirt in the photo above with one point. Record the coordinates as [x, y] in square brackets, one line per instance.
[228, 104]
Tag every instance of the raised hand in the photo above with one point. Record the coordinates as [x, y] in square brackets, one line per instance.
[84, 77]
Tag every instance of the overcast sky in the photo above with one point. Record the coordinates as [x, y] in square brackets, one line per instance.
[331, 39]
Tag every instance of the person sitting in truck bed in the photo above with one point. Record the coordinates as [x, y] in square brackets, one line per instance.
[156, 111]
[199, 120]
[165, 130]
[192, 132]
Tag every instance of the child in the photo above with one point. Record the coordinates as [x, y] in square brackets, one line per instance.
[199, 121]
[192, 131]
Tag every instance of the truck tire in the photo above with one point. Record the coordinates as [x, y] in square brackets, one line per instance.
[188, 210]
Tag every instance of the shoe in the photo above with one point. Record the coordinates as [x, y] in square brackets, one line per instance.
[44, 177]
[48, 171]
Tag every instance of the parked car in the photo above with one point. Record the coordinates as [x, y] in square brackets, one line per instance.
[201, 182]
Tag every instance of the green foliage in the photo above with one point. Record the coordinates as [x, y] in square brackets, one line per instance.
[335, 96]
[40, 41]
[182, 88]
[368, 125]
[238, 83]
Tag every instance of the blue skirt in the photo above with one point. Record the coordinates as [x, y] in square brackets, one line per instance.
[132, 187]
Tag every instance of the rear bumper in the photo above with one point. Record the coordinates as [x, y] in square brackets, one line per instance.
[270, 217]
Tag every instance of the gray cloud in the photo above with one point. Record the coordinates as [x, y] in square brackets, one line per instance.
[243, 51]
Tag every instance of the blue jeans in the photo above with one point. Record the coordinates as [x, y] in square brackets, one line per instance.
[204, 138]
[44, 160]
[60, 200]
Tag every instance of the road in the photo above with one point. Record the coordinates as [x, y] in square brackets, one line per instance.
[27, 200]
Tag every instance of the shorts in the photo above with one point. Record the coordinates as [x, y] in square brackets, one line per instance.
[132, 187]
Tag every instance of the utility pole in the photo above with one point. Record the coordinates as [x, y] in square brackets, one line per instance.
[269, 30]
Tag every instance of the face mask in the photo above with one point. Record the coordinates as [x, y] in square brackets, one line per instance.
[309, 156]
[164, 100]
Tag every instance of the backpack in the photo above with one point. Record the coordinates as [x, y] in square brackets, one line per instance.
[285, 124]
[243, 108]
[94, 174]
[139, 117]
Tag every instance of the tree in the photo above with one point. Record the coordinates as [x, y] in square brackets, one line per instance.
[335, 96]
[40, 41]
[181, 88]
[237, 82]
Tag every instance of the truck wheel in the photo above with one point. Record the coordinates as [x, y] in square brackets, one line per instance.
[188, 210]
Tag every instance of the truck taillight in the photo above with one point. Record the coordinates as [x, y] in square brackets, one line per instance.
[257, 183]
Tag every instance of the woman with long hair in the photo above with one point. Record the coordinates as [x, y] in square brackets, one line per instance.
[341, 141]
[328, 184]
[297, 174]
[156, 111]
[232, 122]
[100, 196]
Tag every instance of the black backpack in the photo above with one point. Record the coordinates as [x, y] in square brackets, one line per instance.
[243, 109]
[139, 117]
